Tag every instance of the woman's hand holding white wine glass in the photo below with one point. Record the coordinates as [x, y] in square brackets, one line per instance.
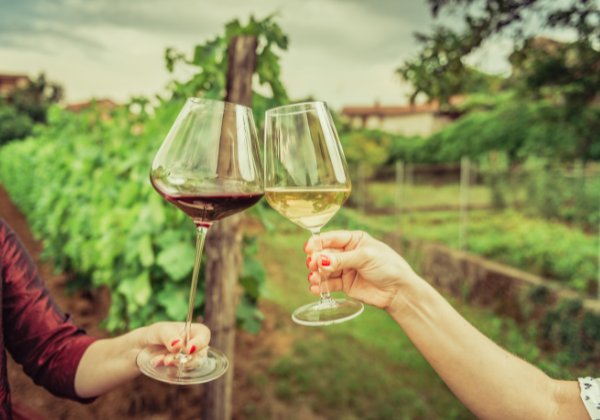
[306, 181]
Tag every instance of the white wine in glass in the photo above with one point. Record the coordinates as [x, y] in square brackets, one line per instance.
[307, 182]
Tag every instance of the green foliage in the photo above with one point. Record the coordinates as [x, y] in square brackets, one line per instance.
[563, 79]
[13, 125]
[439, 71]
[445, 50]
[376, 148]
[541, 247]
[504, 123]
[210, 60]
[371, 148]
[544, 189]
[26, 106]
[517, 128]
[83, 184]
[35, 98]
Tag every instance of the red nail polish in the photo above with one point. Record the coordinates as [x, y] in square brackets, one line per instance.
[325, 260]
[175, 342]
[304, 249]
[308, 262]
[193, 349]
[310, 287]
[309, 274]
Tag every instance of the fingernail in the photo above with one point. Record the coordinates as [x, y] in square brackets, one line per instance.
[193, 349]
[309, 274]
[175, 342]
[325, 260]
[308, 262]
[171, 364]
[305, 246]
[310, 287]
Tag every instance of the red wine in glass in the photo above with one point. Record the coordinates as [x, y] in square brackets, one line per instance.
[206, 209]
[209, 166]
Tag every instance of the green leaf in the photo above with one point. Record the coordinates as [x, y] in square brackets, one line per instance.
[177, 260]
[146, 252]
[174, 299]
[248, 316]
[168, 238]
[157, 210]
[136, 289]
[255, 269]
[251, 286]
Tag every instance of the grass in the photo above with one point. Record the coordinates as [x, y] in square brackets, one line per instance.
[382, 194]
[367, 368]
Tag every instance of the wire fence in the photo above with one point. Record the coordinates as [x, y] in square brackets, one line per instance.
[567, 193]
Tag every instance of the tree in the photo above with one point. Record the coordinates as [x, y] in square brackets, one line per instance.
[439, 69]
[562, 78]
[25, 107]
[211, 61]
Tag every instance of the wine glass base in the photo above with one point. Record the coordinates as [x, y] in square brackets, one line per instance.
[316, 314]
[197, 371]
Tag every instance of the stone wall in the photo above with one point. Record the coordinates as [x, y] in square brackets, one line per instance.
[479, 280]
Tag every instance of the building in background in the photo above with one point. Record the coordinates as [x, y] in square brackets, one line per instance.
[11, 82]
[411, 120]
[105, 105]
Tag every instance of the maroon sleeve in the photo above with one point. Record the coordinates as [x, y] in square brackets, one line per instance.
[37, 333]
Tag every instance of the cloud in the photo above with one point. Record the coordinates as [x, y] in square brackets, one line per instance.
[341, 50]
[346, 25]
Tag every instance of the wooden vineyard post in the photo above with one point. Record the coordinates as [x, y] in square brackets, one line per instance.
[400, 202]
[223, 247]
[465, 175]
[362, 188]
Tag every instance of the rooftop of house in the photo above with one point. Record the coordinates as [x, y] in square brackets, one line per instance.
[12, 78]
[11, 82]
[378, 110]
[100, 103]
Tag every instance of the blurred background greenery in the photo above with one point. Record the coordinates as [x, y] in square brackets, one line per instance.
[80, 175]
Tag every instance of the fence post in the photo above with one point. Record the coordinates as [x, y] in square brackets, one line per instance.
[465, 173]
[596, 175]
[362, 189]
[399, 200]
[410, 172]
[223, 251]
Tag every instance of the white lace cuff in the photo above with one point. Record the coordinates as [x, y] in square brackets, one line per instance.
[590, 394]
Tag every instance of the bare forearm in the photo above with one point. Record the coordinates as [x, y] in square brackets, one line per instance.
[107, 364]
[491, 382]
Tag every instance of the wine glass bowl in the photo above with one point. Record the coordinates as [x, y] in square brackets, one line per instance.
[307, 181]
[209, 166]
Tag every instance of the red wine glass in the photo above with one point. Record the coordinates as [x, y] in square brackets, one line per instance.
[209, 166]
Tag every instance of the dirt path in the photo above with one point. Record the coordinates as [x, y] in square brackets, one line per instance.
[143, 397]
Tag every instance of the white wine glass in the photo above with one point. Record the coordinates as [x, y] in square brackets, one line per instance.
[307, 181]
[209, 166]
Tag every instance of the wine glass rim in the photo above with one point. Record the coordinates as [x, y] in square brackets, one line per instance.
[197, 99]
[299, 104]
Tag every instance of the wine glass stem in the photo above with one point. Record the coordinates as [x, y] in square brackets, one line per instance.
[183, 356]
[323, 286]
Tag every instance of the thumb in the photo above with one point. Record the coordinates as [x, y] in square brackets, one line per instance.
[343, 260]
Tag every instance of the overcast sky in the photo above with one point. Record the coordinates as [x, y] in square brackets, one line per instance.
[341, 51]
